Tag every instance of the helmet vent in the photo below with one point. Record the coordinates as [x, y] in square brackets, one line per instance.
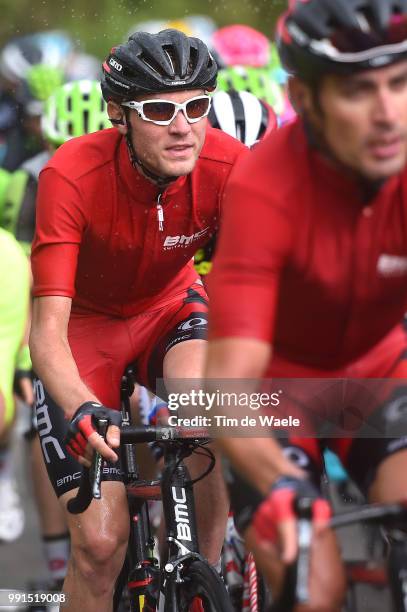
[210, 61]
[168, 52]
[363, 22]
[193, 60]
[151, 63]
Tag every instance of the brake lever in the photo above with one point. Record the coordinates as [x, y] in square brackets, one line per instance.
[303, 509]
[97, 461]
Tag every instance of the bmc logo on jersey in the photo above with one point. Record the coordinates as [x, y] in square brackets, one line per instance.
[172, 242]
[392, 265]
[115, 64]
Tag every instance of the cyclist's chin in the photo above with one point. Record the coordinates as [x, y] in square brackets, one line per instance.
[179, 167]
[380, 170]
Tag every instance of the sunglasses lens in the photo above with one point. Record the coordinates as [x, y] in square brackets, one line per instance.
[197, 108]
[165, 111]
[159, 111]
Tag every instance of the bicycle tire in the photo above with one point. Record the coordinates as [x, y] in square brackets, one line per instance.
[201, 583]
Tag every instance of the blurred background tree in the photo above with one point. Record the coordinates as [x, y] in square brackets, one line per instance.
[98, 24]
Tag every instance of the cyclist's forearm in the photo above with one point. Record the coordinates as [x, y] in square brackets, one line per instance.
[55, 366]
[260, 460]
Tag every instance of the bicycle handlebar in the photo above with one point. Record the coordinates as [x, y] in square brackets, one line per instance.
[90, 483]
[135, 435]
[379, 513]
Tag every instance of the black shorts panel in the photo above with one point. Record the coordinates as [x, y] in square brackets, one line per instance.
[63, 470]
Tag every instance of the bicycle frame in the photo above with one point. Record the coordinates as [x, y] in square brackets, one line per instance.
[142, 568]
[181, 530]
[145, 577]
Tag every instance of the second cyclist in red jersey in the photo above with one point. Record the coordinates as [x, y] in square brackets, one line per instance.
[310, 280]
[334, 257]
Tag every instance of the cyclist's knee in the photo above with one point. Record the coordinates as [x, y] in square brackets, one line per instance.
[97, 553]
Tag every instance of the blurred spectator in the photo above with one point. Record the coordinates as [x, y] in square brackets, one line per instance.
[240, 45]
[200, 26]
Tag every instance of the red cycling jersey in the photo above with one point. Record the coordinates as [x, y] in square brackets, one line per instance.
[102, 237]
[307, 259]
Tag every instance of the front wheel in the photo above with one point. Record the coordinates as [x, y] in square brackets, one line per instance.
[201, 590]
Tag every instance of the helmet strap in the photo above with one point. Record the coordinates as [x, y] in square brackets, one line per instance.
[160, 181]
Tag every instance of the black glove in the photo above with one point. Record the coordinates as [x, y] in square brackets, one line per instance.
[83, 424]
[279, 506]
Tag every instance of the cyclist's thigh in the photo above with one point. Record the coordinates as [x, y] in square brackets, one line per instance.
[186, 319]
[101, 347]
[63, 470]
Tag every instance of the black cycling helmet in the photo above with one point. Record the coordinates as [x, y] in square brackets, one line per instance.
[317, 37]
[153, 63]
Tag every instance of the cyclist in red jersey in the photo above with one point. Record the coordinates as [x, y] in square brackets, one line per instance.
[120, 214]
[315, 285]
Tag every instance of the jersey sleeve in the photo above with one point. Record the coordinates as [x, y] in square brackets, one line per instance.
[60, 223]
[254, 242]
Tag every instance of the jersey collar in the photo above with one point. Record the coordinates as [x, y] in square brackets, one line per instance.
[138, 185]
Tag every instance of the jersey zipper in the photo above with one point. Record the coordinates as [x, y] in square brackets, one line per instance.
[160, 214]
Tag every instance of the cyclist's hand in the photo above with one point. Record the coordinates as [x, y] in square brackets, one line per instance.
[275, 519]
[82, 438]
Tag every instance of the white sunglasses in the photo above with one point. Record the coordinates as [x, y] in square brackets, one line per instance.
[162, 112]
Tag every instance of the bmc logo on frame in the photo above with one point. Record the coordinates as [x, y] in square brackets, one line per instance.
[181, 514]
[172, 242]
